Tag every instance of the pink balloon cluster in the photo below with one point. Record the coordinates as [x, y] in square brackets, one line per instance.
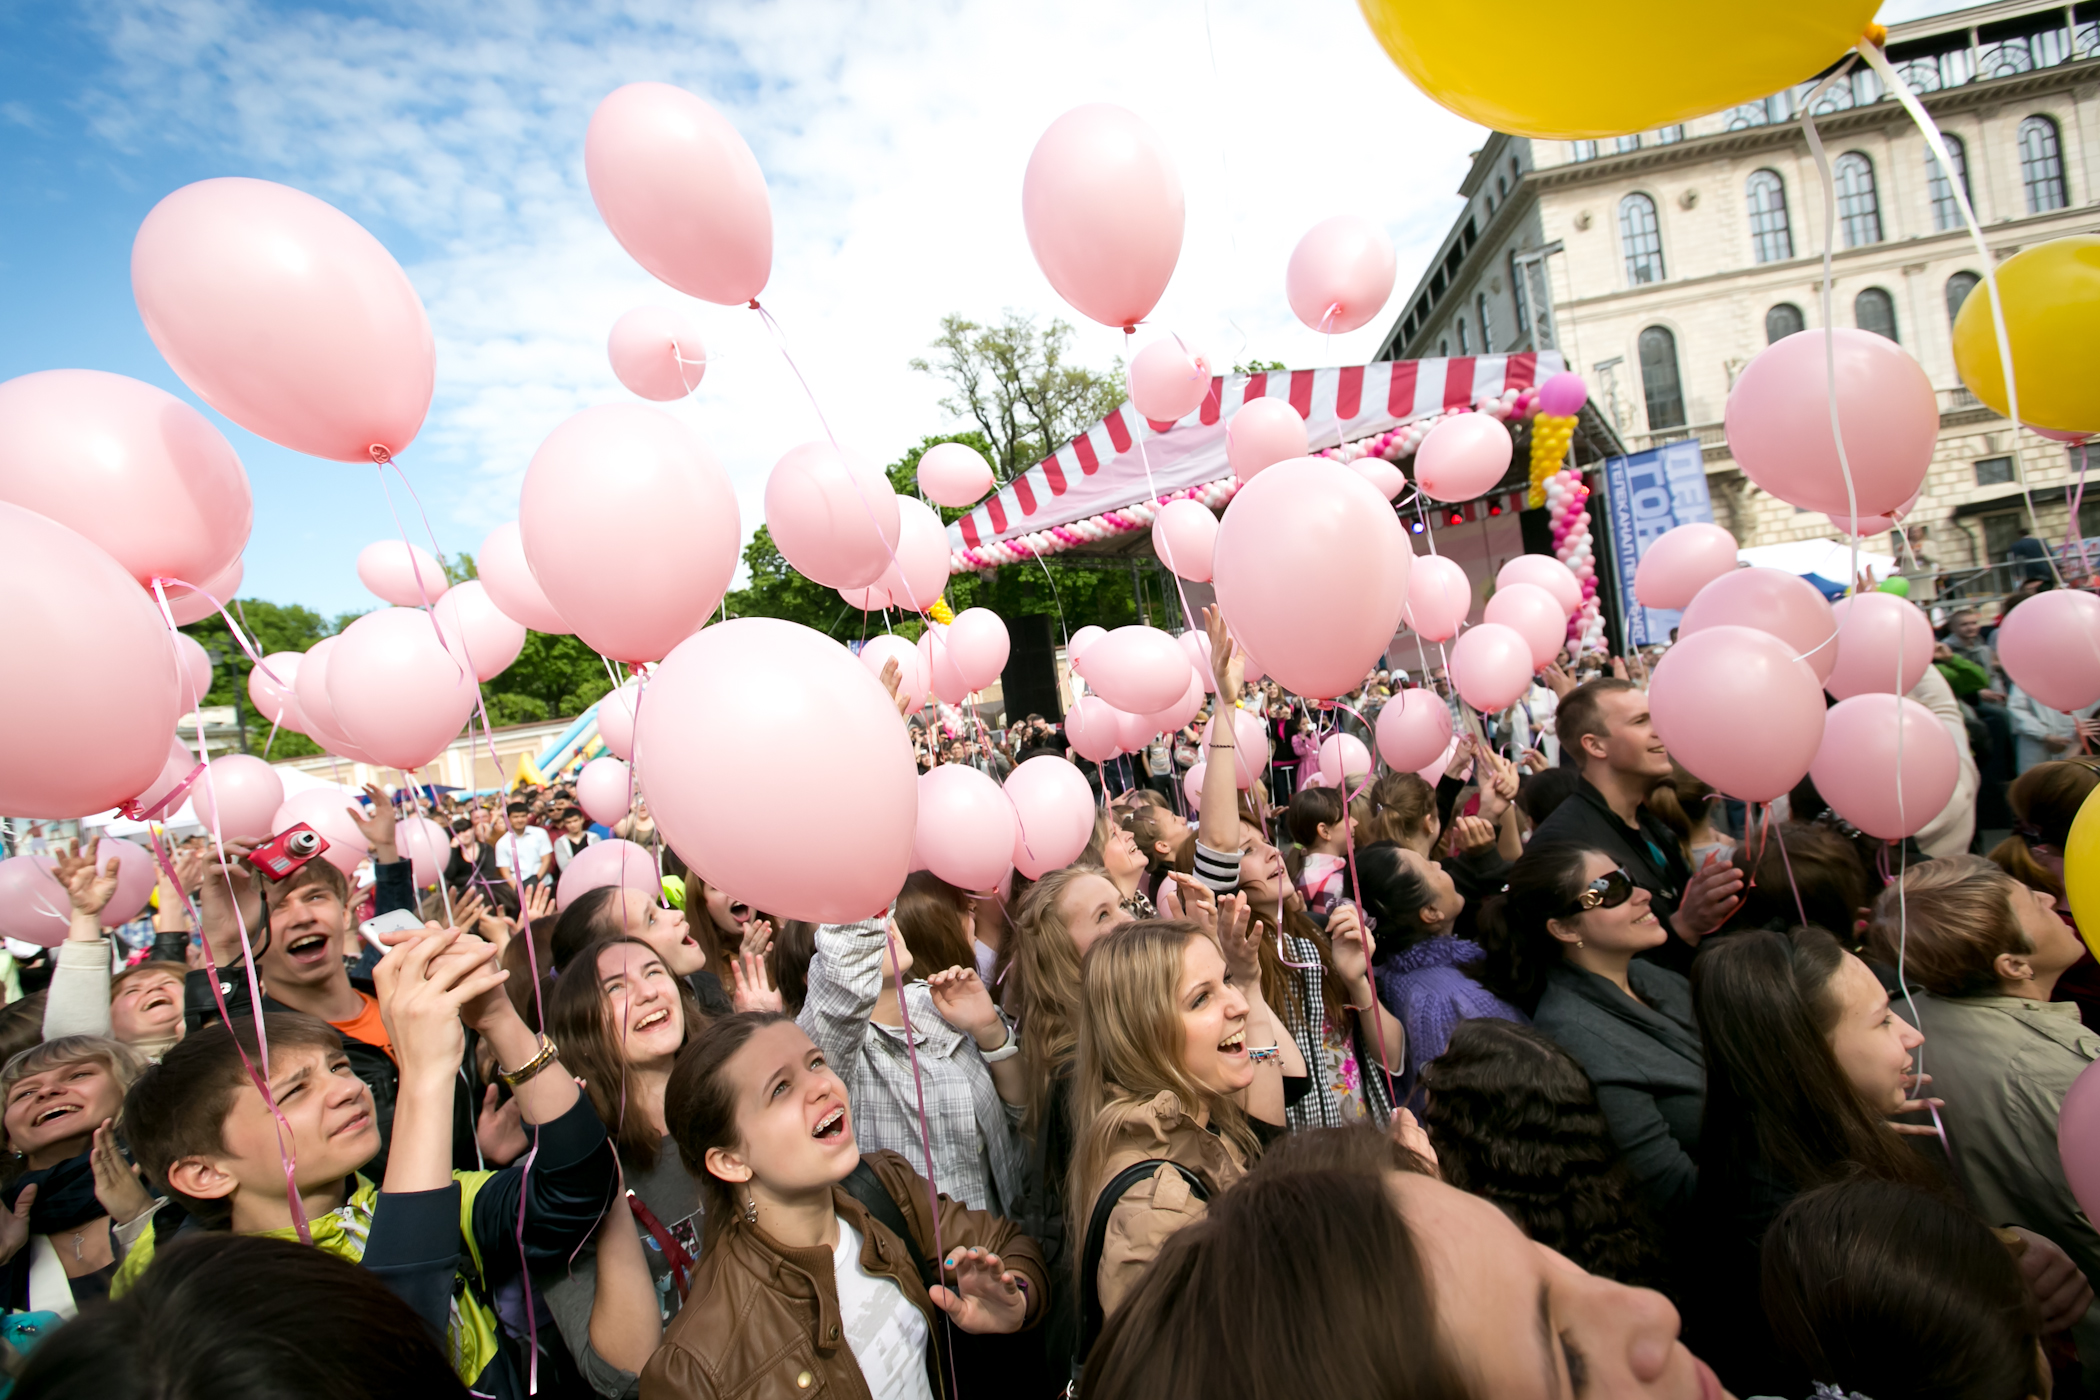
[1567, 505]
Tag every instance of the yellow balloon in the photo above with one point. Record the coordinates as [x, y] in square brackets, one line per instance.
[2082, 870]
[1610, 66]
[2052, 316]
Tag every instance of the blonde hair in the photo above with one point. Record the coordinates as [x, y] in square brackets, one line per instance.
[1401, 806]
[124, 1064]
[1147, 823]
[1130, 1051]
[1042, 984]
[1950, 919]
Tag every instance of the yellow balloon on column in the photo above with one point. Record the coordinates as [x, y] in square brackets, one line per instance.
[1564, 71]
[2082, 871]
[2052, 321]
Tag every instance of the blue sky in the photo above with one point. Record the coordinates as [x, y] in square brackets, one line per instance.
[893, 137]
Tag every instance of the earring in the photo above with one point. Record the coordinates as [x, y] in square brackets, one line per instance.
[750, 1210]
[1578, 943]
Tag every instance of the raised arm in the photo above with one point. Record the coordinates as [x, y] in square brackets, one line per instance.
[845, 978]
[1218, 828]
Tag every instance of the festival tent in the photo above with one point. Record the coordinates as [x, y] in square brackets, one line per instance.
[1828, 564]
[1108, 482]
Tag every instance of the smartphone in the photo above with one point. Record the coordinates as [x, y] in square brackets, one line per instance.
[399, 921]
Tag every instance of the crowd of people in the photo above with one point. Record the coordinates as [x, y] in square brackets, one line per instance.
[1553, 1077]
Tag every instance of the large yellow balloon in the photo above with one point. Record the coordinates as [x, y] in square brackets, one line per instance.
[2052, 315]
[2082, 870]
[1564, 70]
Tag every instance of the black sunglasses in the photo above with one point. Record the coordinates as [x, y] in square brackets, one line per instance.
[1604, 892]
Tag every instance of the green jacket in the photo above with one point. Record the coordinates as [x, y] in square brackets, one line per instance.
[1964, 675]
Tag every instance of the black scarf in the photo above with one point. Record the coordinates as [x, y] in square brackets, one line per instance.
[65, 1201]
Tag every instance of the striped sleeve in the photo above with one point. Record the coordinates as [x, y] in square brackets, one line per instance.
[1218, 870]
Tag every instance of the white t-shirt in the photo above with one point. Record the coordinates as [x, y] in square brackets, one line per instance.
[887, 1334]
[533, 844]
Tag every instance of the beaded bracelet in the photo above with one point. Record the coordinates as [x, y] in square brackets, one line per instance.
[1264, 1053]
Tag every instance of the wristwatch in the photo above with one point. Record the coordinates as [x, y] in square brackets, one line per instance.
[1006, 1051]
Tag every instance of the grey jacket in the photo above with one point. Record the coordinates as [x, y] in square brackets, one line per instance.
[1646, 1063]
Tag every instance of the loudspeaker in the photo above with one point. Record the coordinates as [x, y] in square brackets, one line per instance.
[1029, 681]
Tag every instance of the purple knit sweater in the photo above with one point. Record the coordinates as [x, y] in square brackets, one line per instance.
[1425, 987]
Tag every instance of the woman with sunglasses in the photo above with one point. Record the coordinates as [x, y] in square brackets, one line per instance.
[1561, 942]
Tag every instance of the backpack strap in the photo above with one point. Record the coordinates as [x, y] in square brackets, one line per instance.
[864, 1186]
[1090, 1315]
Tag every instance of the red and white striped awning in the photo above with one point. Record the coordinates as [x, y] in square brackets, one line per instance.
[1105, 468]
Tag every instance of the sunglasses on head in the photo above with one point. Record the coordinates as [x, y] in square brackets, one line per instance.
[1605, 892]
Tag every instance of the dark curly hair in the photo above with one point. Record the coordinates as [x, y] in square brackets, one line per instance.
[1515, 1121]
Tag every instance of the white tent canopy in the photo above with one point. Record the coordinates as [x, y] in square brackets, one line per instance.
[1831, 559]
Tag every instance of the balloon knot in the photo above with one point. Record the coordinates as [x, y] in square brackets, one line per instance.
[754, 305]
[380, 455]
[1877, 35]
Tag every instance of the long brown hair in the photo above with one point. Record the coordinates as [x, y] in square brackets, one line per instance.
[2045, 801]
[1042, 985]
[580, 1022]
[700, 1109]
[930, 918]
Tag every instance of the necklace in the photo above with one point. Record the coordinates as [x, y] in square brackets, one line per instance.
[78, 1236]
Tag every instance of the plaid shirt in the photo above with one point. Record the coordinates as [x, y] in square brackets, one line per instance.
[977, 1153]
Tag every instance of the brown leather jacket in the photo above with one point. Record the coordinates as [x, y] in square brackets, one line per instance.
[1152, 1210]
[762, 1320]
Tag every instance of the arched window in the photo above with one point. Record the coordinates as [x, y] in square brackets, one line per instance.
[1465, 345]
[1770, 237]
[1443, 350]
[1874, 310]
[1487, 327]
[1858, 209]
[1782, 321]
[1958, 288]
[1641, 238]
[1659, 379]
[1946, 213]
[2042, 165]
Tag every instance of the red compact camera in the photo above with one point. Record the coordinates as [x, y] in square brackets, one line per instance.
[285, 852]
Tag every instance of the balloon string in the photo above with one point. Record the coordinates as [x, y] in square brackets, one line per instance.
[1370, 924]
[933, 1195]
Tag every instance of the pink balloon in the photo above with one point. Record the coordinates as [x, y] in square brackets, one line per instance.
[275, 700]
[1263, 433]
[948, 685]
[1413, 728]
[477, 631]
[1491, 666]
[1250, 751]
[1094, 729]
[2077, 1136]
[2058, 434]
[1168, 380]
[34, 907]
[954, 474]
[1053, 814]
[1340, 275]
[1134, 731]
[1192, 785]
[1536, 616]
[1138, 669]
[1172, 718]
[605, 790]
[702, 738]
[193, 673]
[1439, 595]
[173, 774]
[656, 352]
[2050, 646]
[1304, 519]
[681, 191]
[1080, 641]
[136, 873]
[834, 518]
[618, 863]
[966, 828]
[510, 584]
[236, 797]
[1548, 573]
[1886, 764]
[1433, 771]
[1388, 480]
[1680, 562]
[404, 574]
[1739, 709]
[978, 646]
[1563, 395]
[913, 684]
[91, 695]
[872, 599]
[187, 605]
[915, 581]
[1196, 646]
[1462, 457]
[285, 315]
[1340, 755]
[1887, 644]
[1183, 535]
[616, 715]
[395, 689]
[310, 688]
[130, 466]
[1778, 422]
[1772, 600]
[326, 810]
[1103, 208]
[428, 846]
[631, 527]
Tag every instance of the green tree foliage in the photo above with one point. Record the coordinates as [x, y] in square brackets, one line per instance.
[1013, 381]
[459, 568]
[1260, 367]
[553, 678]
[277, 627]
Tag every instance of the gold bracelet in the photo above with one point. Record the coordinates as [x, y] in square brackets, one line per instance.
[512, 1078]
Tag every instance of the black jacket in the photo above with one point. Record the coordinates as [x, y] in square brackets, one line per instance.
[1650, 854]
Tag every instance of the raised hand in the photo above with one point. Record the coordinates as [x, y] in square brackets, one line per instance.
[892, 678]
[1915, 1085]
[1228, 664]
[426, 984]
[1239, 940]
[1352, 947]
[986, 1298]
[117, 1184]
[1710, 896]
[1470, 833]
[1557, 679]
[960, 997]
[89, 889]
[1186, 897]
[754, 984]
[499, 1130]
[14, 1224]
[379, 827]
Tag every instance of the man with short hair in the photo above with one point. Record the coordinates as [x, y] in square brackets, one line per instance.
[525, 852]
[1605, 728]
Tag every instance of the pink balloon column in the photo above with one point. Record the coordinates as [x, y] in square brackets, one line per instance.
[404, 574]
[954, 474]
[605, 790]
[656, 352]
[236, 797]
[834, 517]
[477, 631]
[285, 315]
[614, 862]
[91, 697]
[1413, 728]
[1104, 212]
[1053, 814]
[1739, 709]
[966, 828]
[135, 469]
[681, 191]
[1886, 764]
[1341, 274]
[700, 738]
[1567, 505]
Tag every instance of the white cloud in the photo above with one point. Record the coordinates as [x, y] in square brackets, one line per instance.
[893, 139]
